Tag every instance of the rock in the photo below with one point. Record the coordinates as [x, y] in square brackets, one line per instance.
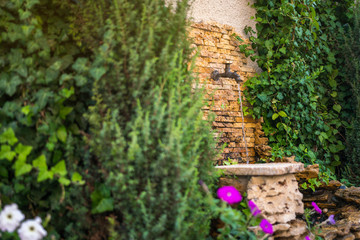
[288, 159]
[346, 211]
[351, 194]
[332, 185]
[349, 237]
[357, 235]
[281, 227]
[340, 229]
[263, 151]
[277, 197]
[311, 171]
[240, 183]
[297, 228]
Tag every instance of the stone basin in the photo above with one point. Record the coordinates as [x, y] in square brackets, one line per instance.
[262, 169]
[274, 189]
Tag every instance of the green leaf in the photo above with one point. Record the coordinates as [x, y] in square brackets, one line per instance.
[337, 107]
[44, 175]
[23, 151]
[59, 168]
[80, 65]
[282, 114]
[275, 116]
[332, 82]
[97, 73]
[105, 204]
[6, 153]
[25, 110]
[66, 93]
[333, 94]
[77, 178]
[61, 134]
[9, 86]
[283, 50]
[40, 163]
[64, 111]
[21, 168]
[80, 80]
[64, 181]
[8, 136]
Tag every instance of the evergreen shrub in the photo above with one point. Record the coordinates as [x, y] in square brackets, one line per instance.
[147, 129]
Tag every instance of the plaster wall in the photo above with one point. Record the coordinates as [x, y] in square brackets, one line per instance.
[235, 13]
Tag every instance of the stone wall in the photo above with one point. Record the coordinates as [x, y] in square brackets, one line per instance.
[216, 45]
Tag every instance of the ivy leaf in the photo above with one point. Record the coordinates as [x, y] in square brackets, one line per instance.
[21, 168]
[61, 133]
[25, 110]
[9, 85]
[6, 153]
[64, 181]
[59, 168]
[64, 111]
[80, 80]
[23, 151]
[97, 73]
[40, 163]
[105, 204]
[43, 97]
[44, 175]
[283, 50]
[80, 65]
[8, 136]
[337, 107]
[77, 178]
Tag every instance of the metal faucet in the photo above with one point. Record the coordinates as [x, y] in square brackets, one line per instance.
[227, 74]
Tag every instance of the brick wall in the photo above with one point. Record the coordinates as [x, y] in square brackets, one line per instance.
[216, 46]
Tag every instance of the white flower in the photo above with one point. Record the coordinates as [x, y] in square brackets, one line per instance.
[32, 230]
[10, 218]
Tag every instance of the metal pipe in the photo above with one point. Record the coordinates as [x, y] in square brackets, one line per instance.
[215, 75]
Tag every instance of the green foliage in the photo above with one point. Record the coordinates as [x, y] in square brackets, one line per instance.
[298, 93]
[349, 50]
[42, 101]
[147, 132]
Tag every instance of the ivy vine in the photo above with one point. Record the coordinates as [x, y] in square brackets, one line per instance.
[298, 92]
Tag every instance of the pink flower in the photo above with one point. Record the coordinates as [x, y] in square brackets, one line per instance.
[229, 194]
[307, 238]
[331, 220]
[253, 208]
[266, 227]
[316, 207]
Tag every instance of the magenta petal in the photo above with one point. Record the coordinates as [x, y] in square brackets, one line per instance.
[316, 207]
[307, 238]
[229, 194]
[253, 208]
[266, 226]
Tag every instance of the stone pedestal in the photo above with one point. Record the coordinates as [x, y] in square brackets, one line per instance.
[274, 189]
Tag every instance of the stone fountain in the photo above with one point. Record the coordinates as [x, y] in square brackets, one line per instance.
[272, 186]
[274, 189]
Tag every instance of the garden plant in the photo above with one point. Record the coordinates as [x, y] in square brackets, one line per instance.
[101, 125]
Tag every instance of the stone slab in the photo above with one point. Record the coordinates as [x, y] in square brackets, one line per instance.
[262, 169]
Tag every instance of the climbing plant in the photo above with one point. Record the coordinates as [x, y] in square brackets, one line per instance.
[297, 92]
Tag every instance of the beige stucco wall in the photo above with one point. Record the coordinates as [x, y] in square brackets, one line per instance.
[235, 13]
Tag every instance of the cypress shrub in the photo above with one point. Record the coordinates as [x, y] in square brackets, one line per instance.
[147, 129]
